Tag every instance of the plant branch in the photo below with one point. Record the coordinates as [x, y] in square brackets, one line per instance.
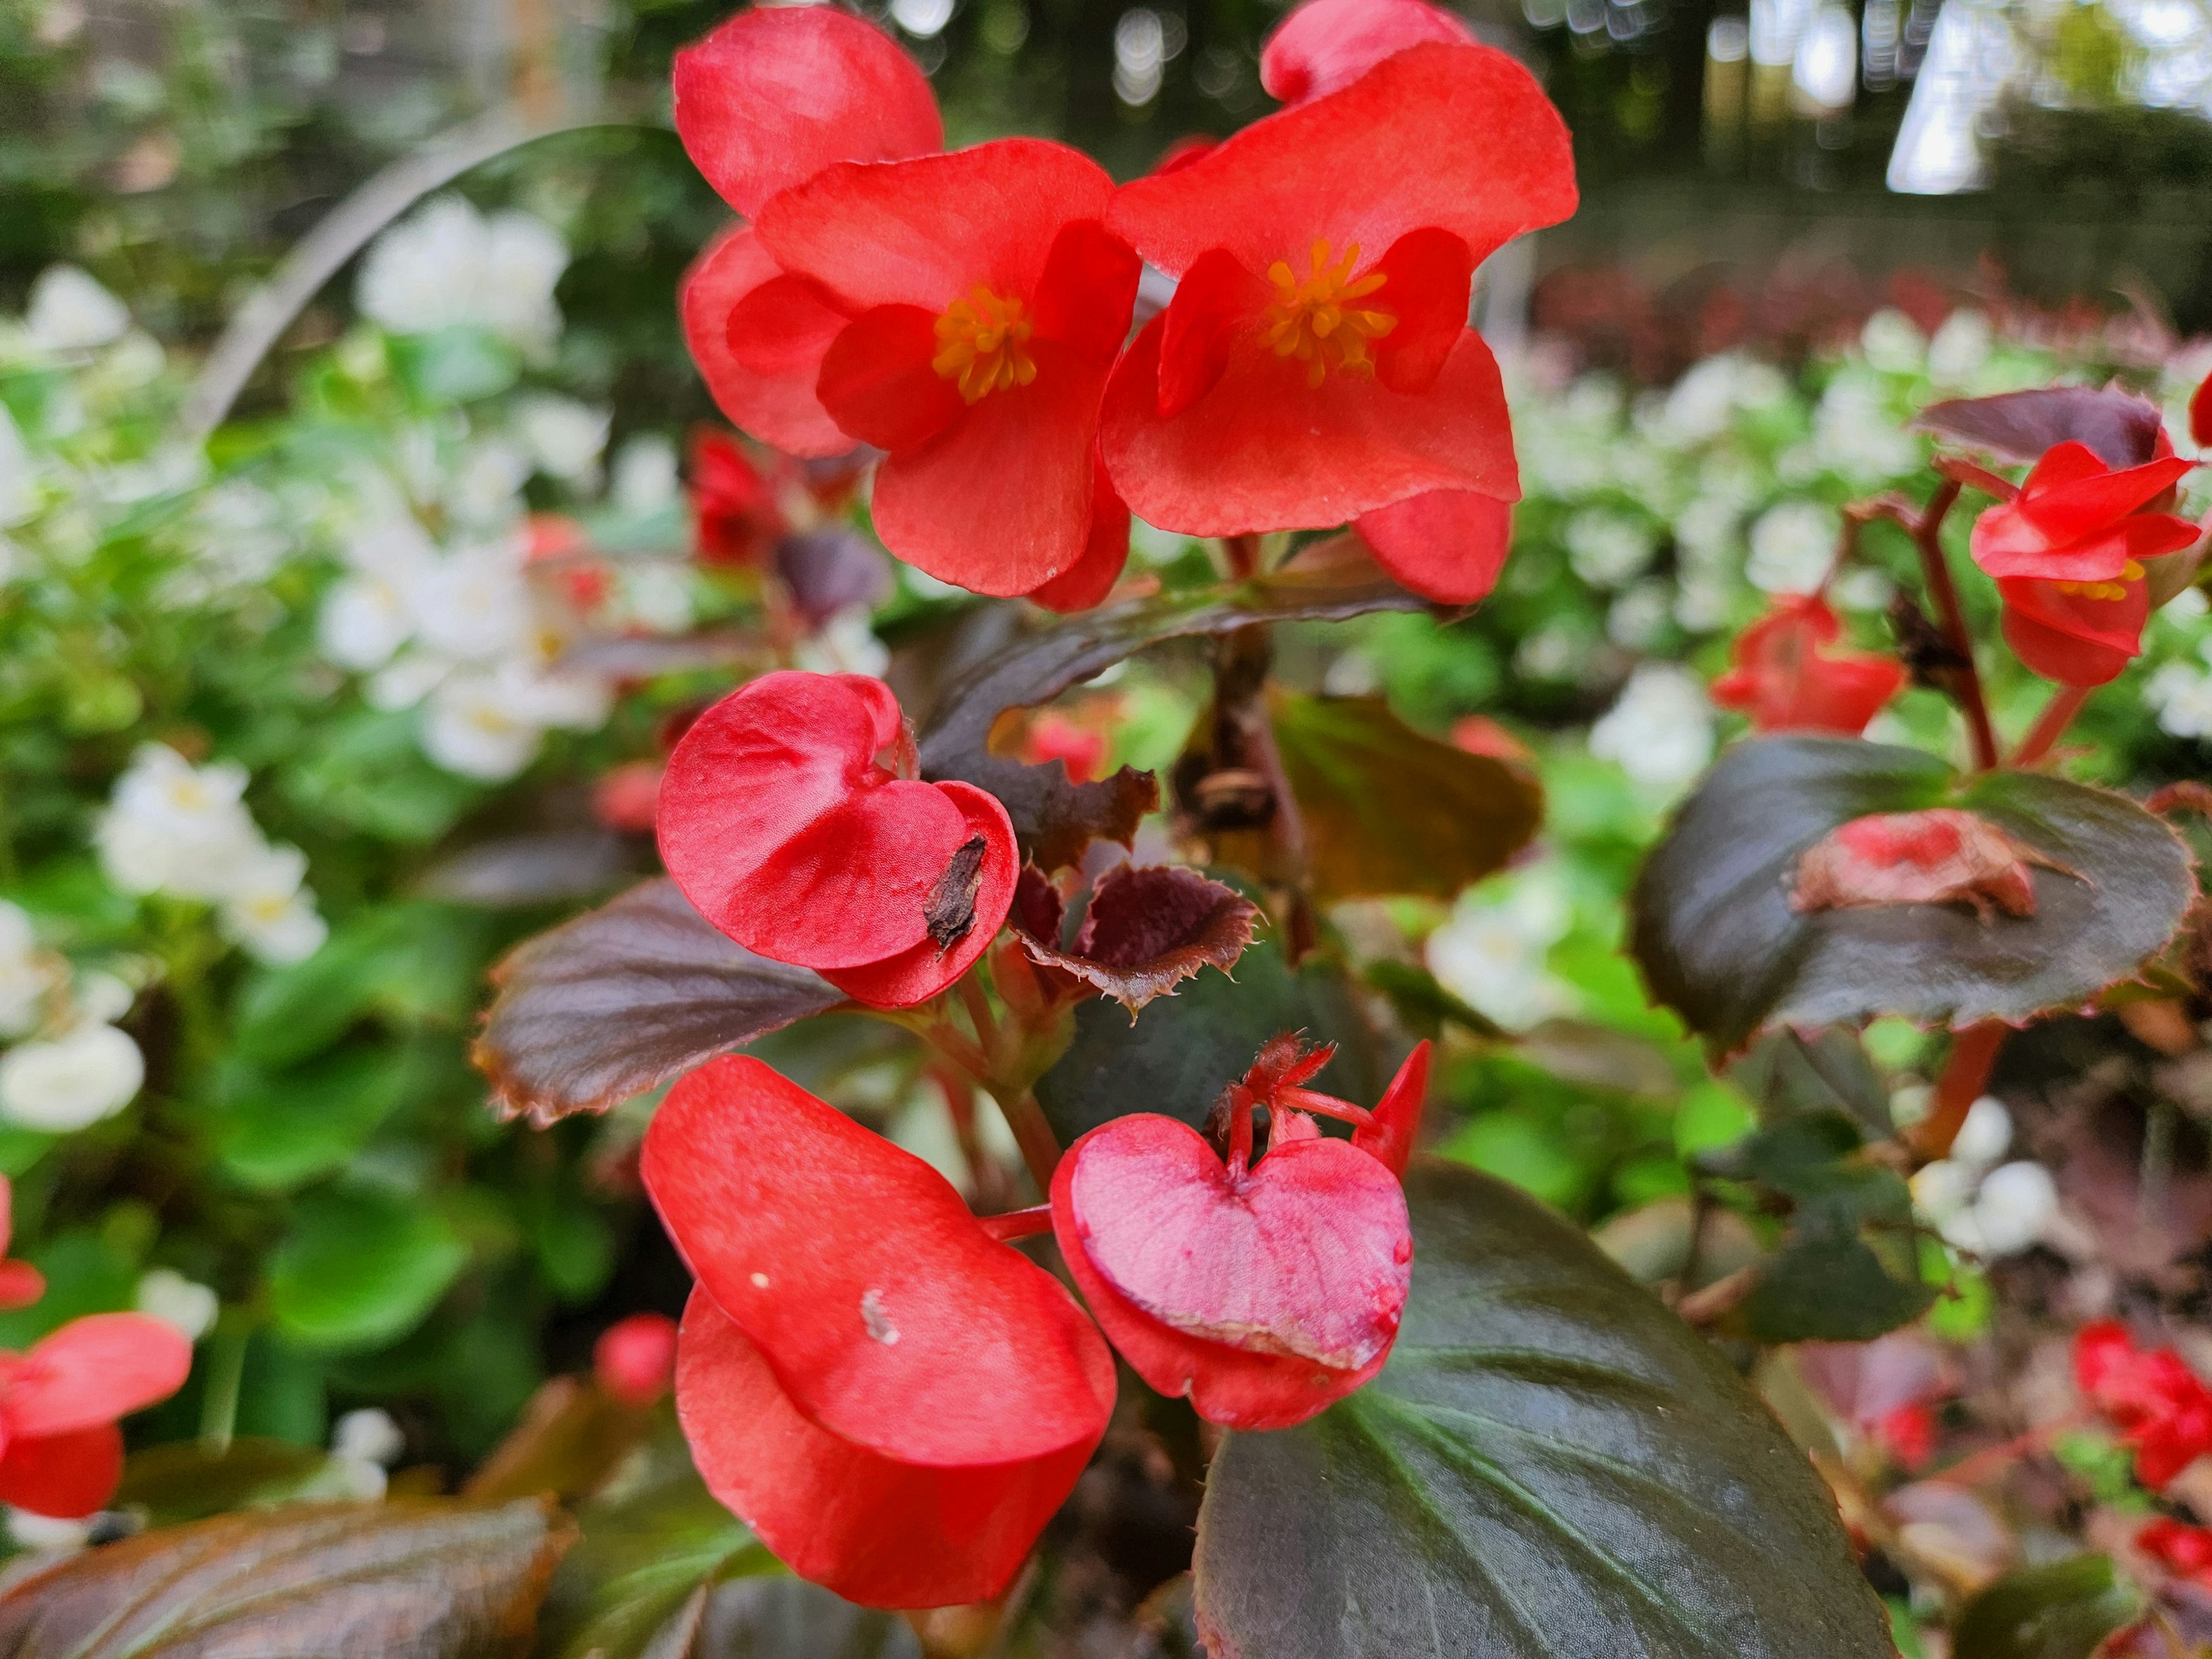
[1973, 1052]
[2050, 725]
[1925, 527]
[1963, 472]
[1040, 1146]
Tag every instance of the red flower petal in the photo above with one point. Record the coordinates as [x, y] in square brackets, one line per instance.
[1328, 44]
[20, 1284]
[877, 384]
[776, 405]
[1447, 545]
[1263, 450]
[783, 831]
[1458, 137]
[1785, 680]
[1305, 1259]
[887, 1314]
[90, 1372]
[777, 93]
[878, 1531]
[1430, 273]
[928, 231]
[1087, 290]
[1217, 300]
[2074, 638]
[2071, 492]
[1396, 1128]
[1105, 552]
[1000, 502]
[634, 1358]
[66, 1476]
[2200, 414]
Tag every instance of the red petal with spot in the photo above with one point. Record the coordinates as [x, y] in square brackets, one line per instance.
[1786, 680]
[1328, 44]
[784, 832]
[90, 1372]
[777, 93]
[778, 405]
[1000, 502]
[1264, 1298]
[1448, 545]
[878, 1531]
[1105, 552]
[1396, 1128]
[877, 384]
[926, 232]
[1428, 275]
[1088, 286]
[886, 1313]
[1263, 450]
[66, 1476]
[2076, 638]
[1460, 138]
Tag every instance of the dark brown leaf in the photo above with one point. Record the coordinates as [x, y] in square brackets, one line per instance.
[2118, 427]
[832, 569]
[625, 997]
[571, 1435]
[1056, 818]
[422, 1578]
[1148, 929]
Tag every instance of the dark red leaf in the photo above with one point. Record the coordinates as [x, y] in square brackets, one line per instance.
[1148, 928]
[2119, 426]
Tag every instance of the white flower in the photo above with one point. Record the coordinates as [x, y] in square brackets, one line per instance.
[270, 912]
[367, 1435]
[406, 683]
[25, 977]
[448, 265]
[1855, 434]
[1707, 526]
[2182, 696]
[1893, 341]
[43, 1532]
[1942, 1190]
[523, 259]
[1608, 549]
[173, 827]
[474, 605]
[102, 998]
[485, 490]
[1660, 730]
[1491, 952]
[1638, 617]
[1960, 347]
[843, 644]
[645, 479]
[564, 436]
[1984, 1135]
[656, 595]
[364, 620]
[72, 1081]
[1792, 548]
[166, 1295]
[71, 312]
[473, 726]
[2016, 1203]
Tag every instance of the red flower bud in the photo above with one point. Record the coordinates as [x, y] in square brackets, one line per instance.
[893, 1400]
[784, 828]
[634, 1358]
[1786, 680]
[2068, 553]
[1264, 1291]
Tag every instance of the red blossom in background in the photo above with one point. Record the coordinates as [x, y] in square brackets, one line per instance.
[893, 1400]
[2200, 414]
[1328, 44]
[2068, 556]
[1316, 365]
[983, 302]
[634, 1358]
[1265, 1292]
[764, 102]
[784, 828]
[2182, 1550]
[2159, 1405]
[735, 513]
[60, 1404]
[1786, 679]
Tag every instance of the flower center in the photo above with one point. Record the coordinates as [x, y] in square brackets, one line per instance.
[983, 343]
[2108, 590]
[1314, 320]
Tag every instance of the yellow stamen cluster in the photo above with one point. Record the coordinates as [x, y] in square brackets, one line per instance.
[1313, 318]
[2108, 591]
[982, 343]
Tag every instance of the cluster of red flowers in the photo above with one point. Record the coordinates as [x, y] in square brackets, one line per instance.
[2159, 1404]
[967, 313]
[61, 1453]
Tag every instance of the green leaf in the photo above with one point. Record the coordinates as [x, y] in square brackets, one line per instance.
[1719, 944]
[1186, 1046]
[368, 773]
[1054, 819]
[1422, 1004]
[1389, 810]
[360, 1266]
[1788, 1072]
[186, 1481]
[1551, 1466]
[276, 1132]
[2061, 1611]
[411, 962]
[455, 365]
[426, 1577]
[87, 1272]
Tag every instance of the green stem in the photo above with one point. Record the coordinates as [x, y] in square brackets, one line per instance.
[226, 1372]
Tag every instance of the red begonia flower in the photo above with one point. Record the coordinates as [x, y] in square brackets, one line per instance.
[1448, 545]
[1316, 364]
[785, 831]
[987, 302]
[2067, 555]
[1328, 44]
[896, 1401]
[736, 518]
[770, 392]
[2159, 1405]
[60, 1403]
[1105, 552]
[1787, 680]
[1909, 1432]
[776, 93]
[634, 1358]
[1265, 1292]
[2180, 1549]
[628, 798]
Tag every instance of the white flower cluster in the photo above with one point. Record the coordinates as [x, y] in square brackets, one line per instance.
[1660, 730]
[173, 827]
[448, 265]
[1491, 952]
[2181, 692]
[72, 1066]
[1978, 1201]
[464, 634]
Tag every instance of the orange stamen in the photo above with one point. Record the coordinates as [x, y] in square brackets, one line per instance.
[982, 344]
[1313, 318]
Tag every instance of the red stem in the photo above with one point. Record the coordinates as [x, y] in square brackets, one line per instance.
[1973, 1052]
[1307, 1100]
[1959, 470]
[1017, 1224]
[1928, 536]
[2050, 725]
